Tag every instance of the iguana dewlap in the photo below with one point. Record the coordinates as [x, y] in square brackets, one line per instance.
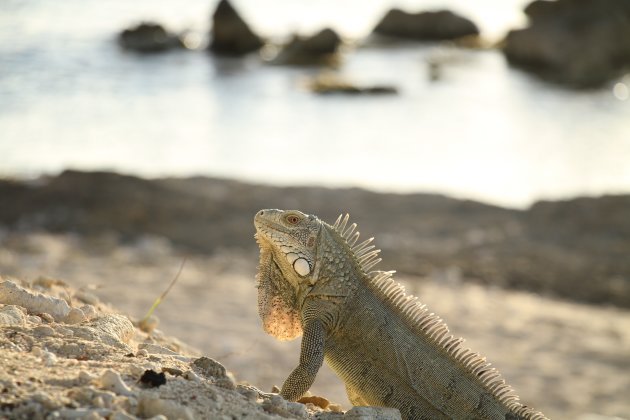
[314, 280]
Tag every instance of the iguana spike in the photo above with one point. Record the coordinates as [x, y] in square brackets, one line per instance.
[343, 224]
[357, 249]
[353, 239]
[366, 267]
[349, 231]
[336, 225]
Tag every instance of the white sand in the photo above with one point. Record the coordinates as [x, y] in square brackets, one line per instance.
[565, 359]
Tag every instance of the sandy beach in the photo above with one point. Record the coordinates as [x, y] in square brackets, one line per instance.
[569, 360]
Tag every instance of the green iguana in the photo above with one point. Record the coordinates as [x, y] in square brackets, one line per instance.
[315, 280]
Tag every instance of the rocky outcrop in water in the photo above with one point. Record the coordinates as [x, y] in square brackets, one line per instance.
[425, 26]
[230, 34]
[148, 37]
[581, 43]
[320, 48]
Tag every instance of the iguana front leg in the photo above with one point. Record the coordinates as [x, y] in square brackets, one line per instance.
[311, 359]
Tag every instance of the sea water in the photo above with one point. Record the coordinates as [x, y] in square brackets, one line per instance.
[71, 98]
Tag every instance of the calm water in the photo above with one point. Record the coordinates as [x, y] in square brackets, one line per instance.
[70, 98]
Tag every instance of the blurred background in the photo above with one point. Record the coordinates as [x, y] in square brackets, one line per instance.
[486, 147]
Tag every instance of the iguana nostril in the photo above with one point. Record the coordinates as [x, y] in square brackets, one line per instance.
[260, 213]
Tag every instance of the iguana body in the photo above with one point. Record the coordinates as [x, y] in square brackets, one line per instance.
[386, 347]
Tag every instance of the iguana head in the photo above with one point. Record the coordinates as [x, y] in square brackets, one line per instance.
[288, 246]
[292, 237]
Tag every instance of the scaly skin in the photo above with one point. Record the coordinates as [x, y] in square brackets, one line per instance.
[386, 347]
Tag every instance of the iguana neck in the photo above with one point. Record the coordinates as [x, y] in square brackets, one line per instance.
[337, 273]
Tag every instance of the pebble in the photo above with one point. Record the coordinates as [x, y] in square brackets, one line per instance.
[335, 408]
[43, 331]
[86, 377]
[297, 409]
[75, 316]
[112, 381]
[191, 376]
[276, 405]
[226, 383]
[89, 311]
[122, 415]
[150, 405]
[155, 349]
[210, 367]
[12, 315]
[13, 294]
[365, 413]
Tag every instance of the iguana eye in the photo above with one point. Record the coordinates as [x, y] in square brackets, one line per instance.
[292, 219]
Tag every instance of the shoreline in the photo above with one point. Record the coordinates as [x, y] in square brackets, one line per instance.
[574, 249]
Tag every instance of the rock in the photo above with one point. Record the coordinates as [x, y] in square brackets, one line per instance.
[276, 405]
[43, 331]
[320, 48]
[12, 294]
[12, 315]
[152, 378]
[47, 357]
[156, 349]
[112, 381]
[577, 43]
[210, 368]
[425, 26]
[372, 413]
[148, 37]
[331, 84]
[150, 405]
[230, 34]
[335, 408]
[321, 402]
[75, 316]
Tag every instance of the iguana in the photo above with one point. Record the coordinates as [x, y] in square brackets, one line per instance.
[315, 280]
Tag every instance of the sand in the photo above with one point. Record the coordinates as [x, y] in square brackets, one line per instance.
[569, 360]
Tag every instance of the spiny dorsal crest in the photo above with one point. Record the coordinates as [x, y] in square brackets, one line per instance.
[366, 255]
[417, 316]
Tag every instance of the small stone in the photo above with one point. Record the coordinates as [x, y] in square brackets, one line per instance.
[75, 316]
[44, 399]
[226, 383]
[247, 392]
[142, 353]
[275, 389]
[43, 331]
[112, 381]
[210, 367]
[89, 311]
[335, 408]
[86, 377]
[276, 405]
[320, 402]
[152, 378]
[148, 324]
[122, 415]
[34, 319]
[66, 332]
[155, 349]
[12, 315]
[150, 405]
[376, 413]
[173, 371]
[191, 376]
[297, 409]
[46, 317]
